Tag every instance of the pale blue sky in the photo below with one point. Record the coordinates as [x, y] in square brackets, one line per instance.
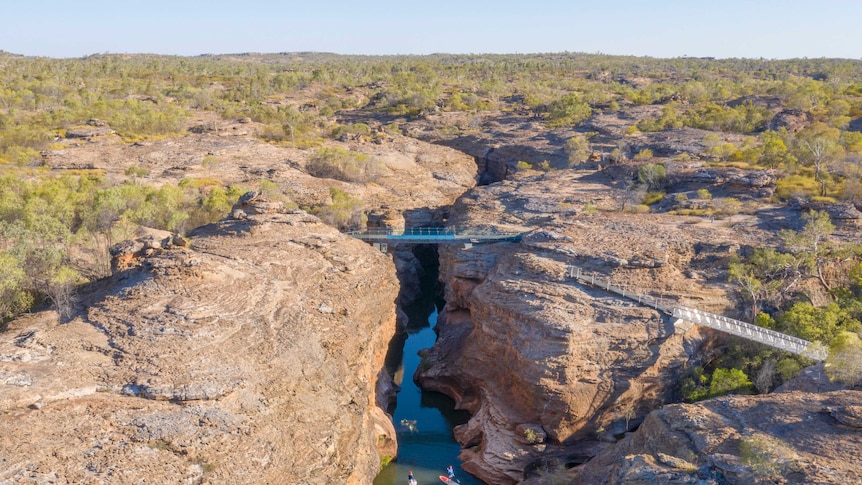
[659, 28]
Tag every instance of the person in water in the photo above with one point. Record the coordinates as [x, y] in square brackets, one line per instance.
[410, 477]
[450, 471]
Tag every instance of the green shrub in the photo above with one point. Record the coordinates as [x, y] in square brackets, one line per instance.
[788, 368]
[617, 155]
[680, 197]
[743, 118]
[692, 212]
[135, 119]
[652, 175]
[522, 165]
[796, 185]
[355, 129]
[732, 164]
[136, 171]
[345, 211]
[821, 324]
[643, 154]
[844, 363]
[14, 297]
[198, 182]
[703, 194]
[759, 453]
[701, 386]
[727, 381]
[669, 119]
[727, 207]
[653, 197]
[345, 165]
[210, 161]
[568, 110]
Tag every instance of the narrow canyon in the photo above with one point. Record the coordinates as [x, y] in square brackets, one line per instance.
[253, 350]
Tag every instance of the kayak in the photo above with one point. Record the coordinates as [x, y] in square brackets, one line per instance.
[450, 481]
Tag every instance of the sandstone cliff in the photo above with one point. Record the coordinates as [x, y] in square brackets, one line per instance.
[248, 355]
[544, 363]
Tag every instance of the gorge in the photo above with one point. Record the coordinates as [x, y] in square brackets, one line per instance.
[251, 339]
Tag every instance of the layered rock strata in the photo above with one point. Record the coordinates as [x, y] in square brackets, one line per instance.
[248, 356]
[543, 363]
[792, 437]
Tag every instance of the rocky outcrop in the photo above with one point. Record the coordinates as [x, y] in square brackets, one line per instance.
[793, 120]
[89, 131]
[524, 348]
[248, 356]
[766, 102]
[844, 214]
[413, 175]
[789, 438]
[668, 143]
[93, 128]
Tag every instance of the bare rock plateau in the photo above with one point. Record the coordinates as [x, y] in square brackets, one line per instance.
[246, 354]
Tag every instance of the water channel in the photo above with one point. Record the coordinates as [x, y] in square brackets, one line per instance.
[423, 419]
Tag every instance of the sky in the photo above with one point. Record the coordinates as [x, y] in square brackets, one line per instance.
[769, 29]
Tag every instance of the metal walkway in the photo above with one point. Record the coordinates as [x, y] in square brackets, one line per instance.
[751, 332]
[434, 235]
[738, 328]
[381, 238]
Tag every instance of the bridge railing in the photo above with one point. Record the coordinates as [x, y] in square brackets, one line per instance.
[598, 281]
[385, 233]
[750, 331]
[718, 322]
[432, 234]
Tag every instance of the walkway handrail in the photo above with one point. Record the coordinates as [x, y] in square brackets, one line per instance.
[750, 331]
[443, 235]
[605, 283]
[434, 234]
[721, 323]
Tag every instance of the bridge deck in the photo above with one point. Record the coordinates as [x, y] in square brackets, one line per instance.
[454, 235]
[721, 323]
[434, 235]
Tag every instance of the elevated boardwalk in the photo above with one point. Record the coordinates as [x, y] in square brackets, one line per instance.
[381, 238]
[721, 323]
[750, 331]
[434, 235]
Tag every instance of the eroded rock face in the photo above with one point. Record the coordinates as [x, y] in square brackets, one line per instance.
[249, 356]
[525, 348]
[790, 437]
[792, 119]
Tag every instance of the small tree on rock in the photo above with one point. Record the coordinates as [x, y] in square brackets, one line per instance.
[578, 149]
[844, 363]
[652, 175]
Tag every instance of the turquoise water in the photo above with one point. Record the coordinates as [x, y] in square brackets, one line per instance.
[425, 441]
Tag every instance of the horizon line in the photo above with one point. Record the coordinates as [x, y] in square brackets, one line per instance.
[433, 54]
